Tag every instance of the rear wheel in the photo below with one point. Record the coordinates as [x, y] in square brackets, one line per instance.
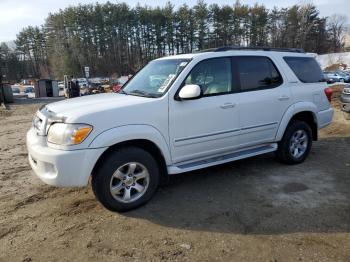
[126, 179]
[295, 144]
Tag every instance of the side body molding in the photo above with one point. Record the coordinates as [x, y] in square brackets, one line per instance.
[291, 111]
[125, 133]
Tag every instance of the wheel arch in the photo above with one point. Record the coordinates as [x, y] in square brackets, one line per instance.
[302, 111]
[144, 144]
[143, 136]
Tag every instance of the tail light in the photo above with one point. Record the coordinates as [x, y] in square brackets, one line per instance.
[329, 92]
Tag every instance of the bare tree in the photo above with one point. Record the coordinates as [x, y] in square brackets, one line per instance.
[337, 30]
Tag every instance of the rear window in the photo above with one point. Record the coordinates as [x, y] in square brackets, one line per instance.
[305, 68]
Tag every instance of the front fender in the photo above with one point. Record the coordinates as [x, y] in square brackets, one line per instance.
[291, 111]
[120, 134]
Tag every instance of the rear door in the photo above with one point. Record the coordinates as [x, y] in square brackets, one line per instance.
[264, 97]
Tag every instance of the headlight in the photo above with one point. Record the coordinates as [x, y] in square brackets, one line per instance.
[68, 134]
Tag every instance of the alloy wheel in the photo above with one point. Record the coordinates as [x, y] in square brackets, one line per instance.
[129, 182]
[298, 143]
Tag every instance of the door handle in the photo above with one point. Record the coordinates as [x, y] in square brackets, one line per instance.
[228, 105]
[283, 98]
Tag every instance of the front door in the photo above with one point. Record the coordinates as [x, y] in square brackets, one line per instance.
[209, 125]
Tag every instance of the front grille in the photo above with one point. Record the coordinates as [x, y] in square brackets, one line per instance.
[40, 122]
[43, 119]
[37, 123]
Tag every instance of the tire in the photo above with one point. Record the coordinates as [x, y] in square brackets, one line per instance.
[346, 115]
[118, 181]
[291, 140]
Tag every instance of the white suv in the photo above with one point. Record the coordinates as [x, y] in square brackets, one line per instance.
[178, 114]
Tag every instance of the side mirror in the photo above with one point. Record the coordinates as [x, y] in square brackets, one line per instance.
[188, 92]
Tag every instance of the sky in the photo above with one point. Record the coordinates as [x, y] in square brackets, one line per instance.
[17, 14]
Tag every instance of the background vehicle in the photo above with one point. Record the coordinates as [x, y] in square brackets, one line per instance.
[345, 75]
[119, 83]
[337, 77]
[16, 90]
[95, 88]
[182, 113]
[328, 79]
[61, 85]
[18, 93]
[29, 89]
[82, 82]
[345, 100]
[61, 88]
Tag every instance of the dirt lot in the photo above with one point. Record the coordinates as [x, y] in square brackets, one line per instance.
[251, 210]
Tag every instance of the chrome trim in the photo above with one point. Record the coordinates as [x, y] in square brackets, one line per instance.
[262, 125]
[46, 117]
[207, 135]
[224, 132]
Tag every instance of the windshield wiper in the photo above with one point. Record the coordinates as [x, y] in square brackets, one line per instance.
[138, 92]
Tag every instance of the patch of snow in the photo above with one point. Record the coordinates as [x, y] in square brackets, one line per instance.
[333, 58]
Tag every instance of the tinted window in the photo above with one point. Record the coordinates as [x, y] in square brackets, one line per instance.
[257, 73]
[305, 68]
[214, 76]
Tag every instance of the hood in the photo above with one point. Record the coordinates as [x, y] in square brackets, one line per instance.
[81, 106]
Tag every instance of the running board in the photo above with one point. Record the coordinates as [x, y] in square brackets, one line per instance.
[217, 160]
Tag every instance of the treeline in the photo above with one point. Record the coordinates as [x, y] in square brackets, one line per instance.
[118, 39]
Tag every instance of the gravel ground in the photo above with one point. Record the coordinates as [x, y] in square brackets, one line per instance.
[251, 210]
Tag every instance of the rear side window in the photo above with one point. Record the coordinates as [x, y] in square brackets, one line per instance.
[256, 73]
[305, 68]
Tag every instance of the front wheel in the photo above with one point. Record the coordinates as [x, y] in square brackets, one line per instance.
[126, 179]
[295, 144]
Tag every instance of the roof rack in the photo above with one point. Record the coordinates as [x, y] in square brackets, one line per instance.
[262, 48]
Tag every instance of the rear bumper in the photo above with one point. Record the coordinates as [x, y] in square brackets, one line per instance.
[345, 98]
[345, 107]
[60, 167]
[324, 117]
[345, 102]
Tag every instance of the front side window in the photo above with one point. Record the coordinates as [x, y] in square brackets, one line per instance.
[305, 68]
[155, 78]
[257, 72]
[214, 76]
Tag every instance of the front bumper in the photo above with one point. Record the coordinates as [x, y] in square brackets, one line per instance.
[60, 167]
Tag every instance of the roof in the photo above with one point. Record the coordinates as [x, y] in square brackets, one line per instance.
[254, 48]
[228, 51]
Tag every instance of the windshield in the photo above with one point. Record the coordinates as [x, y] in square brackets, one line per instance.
[155, 78]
